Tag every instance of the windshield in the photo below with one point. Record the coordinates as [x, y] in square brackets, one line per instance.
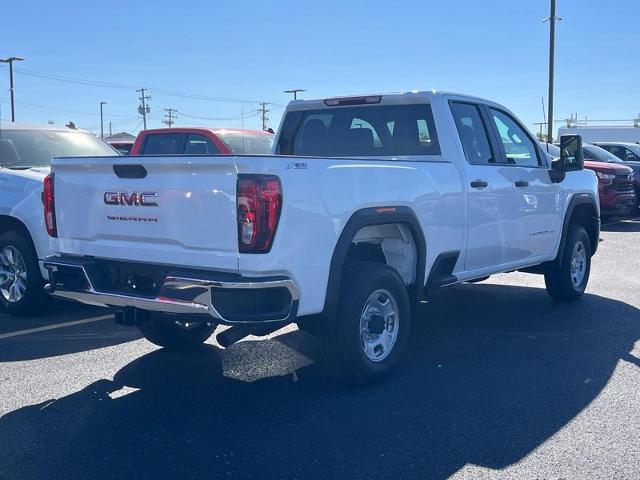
[251, 143]
[36, 148]
[591, 152]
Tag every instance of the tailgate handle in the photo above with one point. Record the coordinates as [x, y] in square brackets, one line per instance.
[130, 171]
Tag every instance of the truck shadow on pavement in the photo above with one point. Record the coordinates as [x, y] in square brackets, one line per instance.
[61, 341]
[491, 373]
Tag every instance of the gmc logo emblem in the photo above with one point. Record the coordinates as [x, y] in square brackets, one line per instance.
[135, 199]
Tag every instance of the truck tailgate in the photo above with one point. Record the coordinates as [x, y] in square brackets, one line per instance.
[182, 211]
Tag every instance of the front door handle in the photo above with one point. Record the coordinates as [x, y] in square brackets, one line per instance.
[479, 184]
[522, 183]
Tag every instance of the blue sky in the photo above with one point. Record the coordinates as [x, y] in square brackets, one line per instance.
[251, 51]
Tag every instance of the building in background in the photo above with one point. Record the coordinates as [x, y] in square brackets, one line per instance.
[123, 142]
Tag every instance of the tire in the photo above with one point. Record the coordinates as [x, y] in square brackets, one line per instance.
[19, 295]
[165, 333]
[564, 283]
[379, 287]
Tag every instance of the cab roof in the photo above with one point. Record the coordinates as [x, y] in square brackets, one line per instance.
[215, 130]
[379, 98]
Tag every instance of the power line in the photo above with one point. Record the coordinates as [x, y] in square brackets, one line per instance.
[195, 96]
[235, 117]
[124, 86]
[170, 117]
[75, 112]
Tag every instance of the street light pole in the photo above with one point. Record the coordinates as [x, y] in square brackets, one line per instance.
[10, 61]
[102, 119]
[295, 92]
[552, 48]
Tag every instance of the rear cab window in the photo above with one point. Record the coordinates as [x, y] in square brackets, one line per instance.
[164, 144]
[178, 143]
[360, 131]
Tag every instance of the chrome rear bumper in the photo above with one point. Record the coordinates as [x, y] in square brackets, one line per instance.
[212, 296]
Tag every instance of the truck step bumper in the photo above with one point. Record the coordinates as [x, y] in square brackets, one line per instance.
[215, 297]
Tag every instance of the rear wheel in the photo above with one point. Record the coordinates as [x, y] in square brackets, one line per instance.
[21, 284]
[364, 343]
[175, 335]
[567, 281]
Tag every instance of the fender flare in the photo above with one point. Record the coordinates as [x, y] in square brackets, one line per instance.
[370, 217]
[579, 199]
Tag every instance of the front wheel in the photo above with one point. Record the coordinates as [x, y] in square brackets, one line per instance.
[364, 343]
[567, 280]
[175, 335]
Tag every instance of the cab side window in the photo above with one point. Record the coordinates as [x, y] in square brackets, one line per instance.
[472, 133]
[629, 156]
[519, 149]
[615, 150]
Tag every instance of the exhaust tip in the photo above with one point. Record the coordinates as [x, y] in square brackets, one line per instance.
[231, 335]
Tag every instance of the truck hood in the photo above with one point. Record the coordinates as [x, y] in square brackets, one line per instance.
[615, 168]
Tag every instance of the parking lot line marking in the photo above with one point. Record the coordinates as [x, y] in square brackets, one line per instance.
[624, 220]
[55, 326]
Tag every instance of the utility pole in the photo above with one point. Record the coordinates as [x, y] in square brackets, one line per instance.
[10, 61]
[110, 130]
[170, 116]
[143, 108]
[295, 92]
[263, 110]
[102, 119]
[552, 48]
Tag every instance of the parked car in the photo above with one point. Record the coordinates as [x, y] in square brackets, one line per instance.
[615, 179]
[629, 153]
[203, 141]
[25, 154]
[345, 245]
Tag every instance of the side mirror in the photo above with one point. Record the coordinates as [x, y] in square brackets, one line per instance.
[571, 155]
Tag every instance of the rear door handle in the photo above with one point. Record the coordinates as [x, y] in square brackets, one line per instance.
[522, 183]
[479, 184]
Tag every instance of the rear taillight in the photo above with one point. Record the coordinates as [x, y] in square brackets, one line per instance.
[48, 200]
[259, 205]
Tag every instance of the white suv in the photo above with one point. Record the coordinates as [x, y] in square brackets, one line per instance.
[25, 154]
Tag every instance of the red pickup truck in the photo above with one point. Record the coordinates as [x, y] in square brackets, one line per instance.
[202, 141]
[615, 179]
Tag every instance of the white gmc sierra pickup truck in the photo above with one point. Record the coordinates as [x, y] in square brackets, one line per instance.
[368, 206]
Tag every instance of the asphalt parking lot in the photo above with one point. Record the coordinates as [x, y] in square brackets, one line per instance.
[499, 382]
